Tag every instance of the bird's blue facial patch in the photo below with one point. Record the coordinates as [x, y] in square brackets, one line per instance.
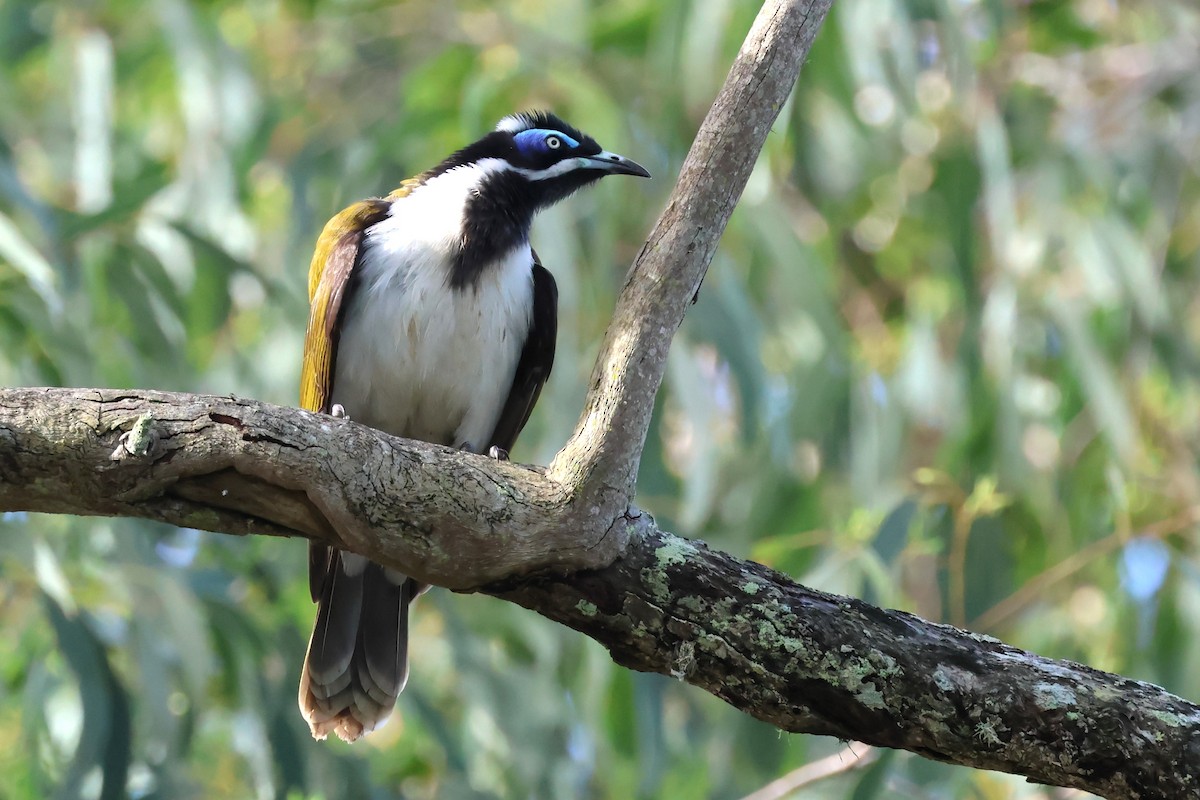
[539, 141]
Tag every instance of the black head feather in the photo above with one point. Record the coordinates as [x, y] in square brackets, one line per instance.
[501, 207]
[501, 144]
[528, 120]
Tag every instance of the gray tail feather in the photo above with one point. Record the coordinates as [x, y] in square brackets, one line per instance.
[357, 661]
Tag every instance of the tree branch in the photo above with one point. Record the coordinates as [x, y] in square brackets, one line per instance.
[567, 544]
[811, 662]
[799, 659]
[666, 277]
[239, 466]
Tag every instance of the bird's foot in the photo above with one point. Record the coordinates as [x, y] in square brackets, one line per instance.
[498, 453]
[338, 411]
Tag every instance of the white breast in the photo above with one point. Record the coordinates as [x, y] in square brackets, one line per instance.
[417, 358]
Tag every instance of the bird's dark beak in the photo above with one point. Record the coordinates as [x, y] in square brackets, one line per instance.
[614, 164]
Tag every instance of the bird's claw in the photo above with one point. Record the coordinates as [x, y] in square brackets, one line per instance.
[498, 453]
[338, 411]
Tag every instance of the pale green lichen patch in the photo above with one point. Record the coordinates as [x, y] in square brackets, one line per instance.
[656, 582]
[772, 638]
[1051, 696]
[675, 551]
[1168, 718]
[724, 608]
[139, 435]
[860, 669]
[750, 587]
[985, 731]
[586, 608]
[884, 665]
[717, 647]
[870, 697]
[858, 675]
[942, 679]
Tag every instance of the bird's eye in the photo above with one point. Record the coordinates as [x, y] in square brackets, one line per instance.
[553, 142]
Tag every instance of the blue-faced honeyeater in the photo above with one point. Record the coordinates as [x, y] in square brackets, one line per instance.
[430, 318]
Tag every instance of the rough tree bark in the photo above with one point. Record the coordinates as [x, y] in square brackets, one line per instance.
[567, 542]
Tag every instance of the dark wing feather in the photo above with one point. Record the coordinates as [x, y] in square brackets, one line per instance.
[537, 357]
[329, 284]
[330, 279]
[357, 657]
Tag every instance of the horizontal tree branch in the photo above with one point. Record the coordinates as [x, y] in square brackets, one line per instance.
[240, 466]
[796, 658]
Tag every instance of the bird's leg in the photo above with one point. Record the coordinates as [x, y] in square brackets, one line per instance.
[339, 411]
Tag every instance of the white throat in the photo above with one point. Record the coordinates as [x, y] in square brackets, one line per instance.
[416, 357]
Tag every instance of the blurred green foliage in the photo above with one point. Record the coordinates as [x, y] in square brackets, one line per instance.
[945, 360]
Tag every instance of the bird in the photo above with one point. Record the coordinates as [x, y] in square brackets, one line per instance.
[431, 318]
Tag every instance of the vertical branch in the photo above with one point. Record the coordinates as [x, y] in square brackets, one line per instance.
[604, 452]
